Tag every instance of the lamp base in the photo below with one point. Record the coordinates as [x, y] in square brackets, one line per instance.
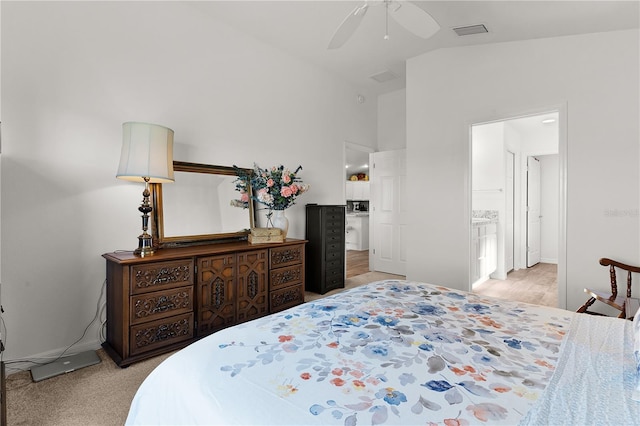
[145, 246]
[145, 242]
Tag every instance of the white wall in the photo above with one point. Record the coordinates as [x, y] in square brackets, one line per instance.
[487, 162]
[1, 337]
[488, 180]
[392, 121]
[72, 73]
[549, 196]
[596, 77]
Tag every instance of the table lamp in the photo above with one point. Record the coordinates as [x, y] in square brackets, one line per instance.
[147, 156]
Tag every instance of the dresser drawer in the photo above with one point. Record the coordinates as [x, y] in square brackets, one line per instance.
[335, 246]
[286, 297]
[333, 255]
[161, 304]
[334, 234]
[280, 257]
[283, 277]
[334, 279]
[161, 275]
[157, 334]
[335, 225]
[334, 209]
[333, 264]
[334, 273]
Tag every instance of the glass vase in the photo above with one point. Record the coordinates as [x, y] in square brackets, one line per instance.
[279, 220]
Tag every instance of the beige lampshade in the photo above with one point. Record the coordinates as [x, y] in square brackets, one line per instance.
[147, 151]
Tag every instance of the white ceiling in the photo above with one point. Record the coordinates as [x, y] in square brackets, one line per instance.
[542, 127]
[303, 28]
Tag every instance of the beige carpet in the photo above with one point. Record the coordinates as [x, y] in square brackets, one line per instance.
[95, 395]
[356, 281]
[100, 394]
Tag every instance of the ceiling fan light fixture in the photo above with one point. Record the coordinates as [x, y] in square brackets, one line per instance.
[471, 29]
[408, 15]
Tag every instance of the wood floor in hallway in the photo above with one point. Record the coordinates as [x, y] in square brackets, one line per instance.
[357, 262]
[537, 285]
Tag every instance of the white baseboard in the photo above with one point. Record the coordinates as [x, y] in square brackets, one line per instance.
[27, 362]
[480, 281]
[500, 276]
[546, 260]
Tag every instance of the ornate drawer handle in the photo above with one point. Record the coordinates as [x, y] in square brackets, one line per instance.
[164, 332]
[163, 304]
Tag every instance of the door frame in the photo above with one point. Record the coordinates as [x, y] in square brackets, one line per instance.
[532, 185]
[509, 114]
[362, 148]
[510, 192]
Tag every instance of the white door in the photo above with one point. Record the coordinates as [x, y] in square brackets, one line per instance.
[533, 211]
[509, 213]
[388, 212]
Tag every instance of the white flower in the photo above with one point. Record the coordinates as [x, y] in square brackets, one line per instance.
[303, 188]
[265, 197]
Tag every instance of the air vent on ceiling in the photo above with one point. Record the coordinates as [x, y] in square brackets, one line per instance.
[471, 29]
[383, 76]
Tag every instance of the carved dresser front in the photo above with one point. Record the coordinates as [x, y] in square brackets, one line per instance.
[160, 303]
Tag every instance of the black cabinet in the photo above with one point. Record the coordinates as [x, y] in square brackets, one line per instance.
[325, 255]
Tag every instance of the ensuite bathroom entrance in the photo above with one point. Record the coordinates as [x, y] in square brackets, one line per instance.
[515, 207]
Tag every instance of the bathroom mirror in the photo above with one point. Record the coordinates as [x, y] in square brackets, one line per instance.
[197, 207]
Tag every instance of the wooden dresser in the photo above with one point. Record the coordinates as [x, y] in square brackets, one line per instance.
[160, 303]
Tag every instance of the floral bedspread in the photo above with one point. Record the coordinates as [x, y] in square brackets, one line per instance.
[390, 352]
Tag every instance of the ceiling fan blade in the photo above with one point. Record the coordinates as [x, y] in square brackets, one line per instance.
[348, 27]
[413, 18]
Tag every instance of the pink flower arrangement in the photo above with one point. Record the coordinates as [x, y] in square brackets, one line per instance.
[276, 188]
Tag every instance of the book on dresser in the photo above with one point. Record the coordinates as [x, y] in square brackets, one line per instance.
[160, 303]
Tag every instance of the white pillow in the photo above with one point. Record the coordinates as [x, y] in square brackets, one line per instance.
[636, 354]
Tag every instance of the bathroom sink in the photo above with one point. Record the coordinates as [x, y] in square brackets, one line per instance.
[479, 220]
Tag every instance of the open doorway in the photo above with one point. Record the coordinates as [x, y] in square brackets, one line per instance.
[515, 185]
[357, 196]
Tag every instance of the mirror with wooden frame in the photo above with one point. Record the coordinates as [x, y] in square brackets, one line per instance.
[198, 208]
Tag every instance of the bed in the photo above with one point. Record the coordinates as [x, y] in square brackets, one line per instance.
[401, 352]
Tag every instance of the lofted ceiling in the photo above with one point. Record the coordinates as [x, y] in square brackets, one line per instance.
[303, 28]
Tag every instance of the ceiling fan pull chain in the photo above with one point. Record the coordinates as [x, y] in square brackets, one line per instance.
[386, 20]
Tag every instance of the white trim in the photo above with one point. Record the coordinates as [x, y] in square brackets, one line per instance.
[362, 148]
[562, 205]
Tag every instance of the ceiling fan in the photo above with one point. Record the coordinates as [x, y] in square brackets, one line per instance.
[407, 14]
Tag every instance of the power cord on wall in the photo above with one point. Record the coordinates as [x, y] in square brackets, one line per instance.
[99, 310]
[3, 333]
